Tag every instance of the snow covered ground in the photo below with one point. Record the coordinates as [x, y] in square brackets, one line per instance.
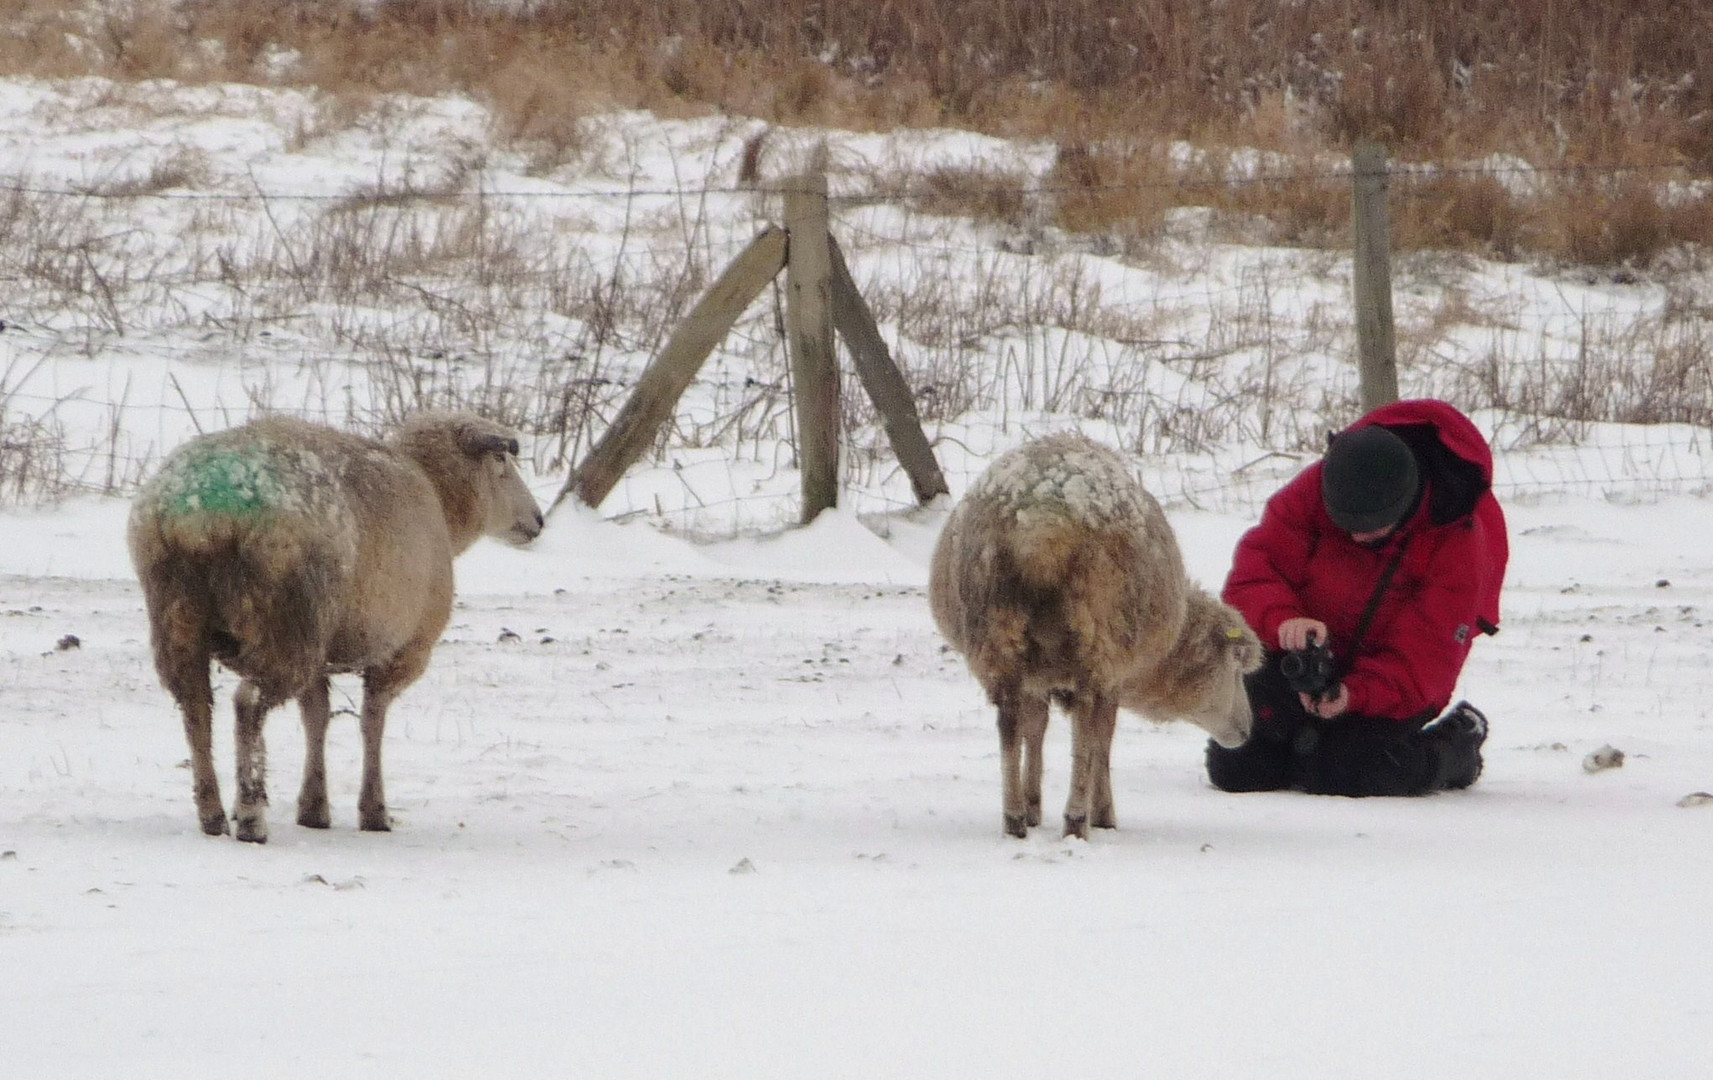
[728, 808]
[714, 814]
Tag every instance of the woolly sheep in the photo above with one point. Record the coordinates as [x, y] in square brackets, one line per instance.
[1058, 578]
[289, 551]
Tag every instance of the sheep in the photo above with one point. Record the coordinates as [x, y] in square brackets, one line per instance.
[289, 551]
[1058, 577]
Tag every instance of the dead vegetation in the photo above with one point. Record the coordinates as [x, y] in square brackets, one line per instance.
[1514, 137]
[1556, 84]
[32, 449]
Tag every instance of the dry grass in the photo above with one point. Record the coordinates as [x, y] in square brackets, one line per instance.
[32, 448]
[1635, 369]
[1553, 82]
[1243, 106]
[980, 192]
[1459, 212]
[1123, 189]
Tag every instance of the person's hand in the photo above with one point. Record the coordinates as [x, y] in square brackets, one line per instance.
[1329, 708]
[1294, 633]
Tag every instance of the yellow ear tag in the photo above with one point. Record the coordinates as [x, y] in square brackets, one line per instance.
[1234, 635]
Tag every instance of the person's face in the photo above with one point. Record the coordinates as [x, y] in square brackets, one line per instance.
[1371, 538]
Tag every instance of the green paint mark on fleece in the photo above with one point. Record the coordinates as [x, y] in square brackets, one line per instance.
[238, 481]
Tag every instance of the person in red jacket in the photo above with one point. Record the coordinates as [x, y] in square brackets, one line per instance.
[1390, 552]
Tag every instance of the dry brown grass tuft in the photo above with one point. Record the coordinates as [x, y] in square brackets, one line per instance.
[1394, 92]
[1622, 220]
[32, 448]
[180, 167]
[32, 460]
[1458, 211]
[38, 39]
[539, 111]
[980, 192]
[1308, 208]
[1123, 189]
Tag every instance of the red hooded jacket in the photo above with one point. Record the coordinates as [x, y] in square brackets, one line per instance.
[1297, 563]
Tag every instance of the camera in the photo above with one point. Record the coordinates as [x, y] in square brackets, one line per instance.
[1310, 670]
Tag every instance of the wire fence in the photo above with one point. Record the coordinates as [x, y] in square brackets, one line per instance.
[1219, 361]
[896, 193]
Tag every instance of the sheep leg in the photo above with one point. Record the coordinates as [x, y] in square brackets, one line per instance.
[372, 802]
[1019, 714]
[312, 809]
[1093, 718]
[189, 683]
[1034, 732]
[251, 813]
[1101, 812]
[380, 686]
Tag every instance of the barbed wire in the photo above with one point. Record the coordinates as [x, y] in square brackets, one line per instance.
[893, 194]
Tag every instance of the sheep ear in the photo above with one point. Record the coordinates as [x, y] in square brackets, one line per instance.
[478, 444]
[1244, 646]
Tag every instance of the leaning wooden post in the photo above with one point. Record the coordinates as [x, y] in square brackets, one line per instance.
[1377, 362]
[884, 382]
[669, 374]
[809, 337]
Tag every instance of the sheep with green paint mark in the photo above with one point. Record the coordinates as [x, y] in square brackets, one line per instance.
[290, 551]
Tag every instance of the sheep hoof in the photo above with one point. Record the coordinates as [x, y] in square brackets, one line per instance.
[253, 830]
[1104, 818]
[1034, 816]
[314, 817]
[215, 824]
[1077, 827]
[1016, 825]
[375, 822]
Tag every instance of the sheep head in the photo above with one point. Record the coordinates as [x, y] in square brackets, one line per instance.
[511, 513]
[473, 463]
[1214, 651]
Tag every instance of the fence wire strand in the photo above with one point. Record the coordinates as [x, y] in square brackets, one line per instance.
[891, 195]
[1539, 452]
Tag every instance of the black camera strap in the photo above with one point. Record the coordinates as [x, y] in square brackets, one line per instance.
[1373, 607]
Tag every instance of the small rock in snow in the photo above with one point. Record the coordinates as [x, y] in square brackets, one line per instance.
[67, 643]
[1696, 798]
[1607, 757]
[744, 866]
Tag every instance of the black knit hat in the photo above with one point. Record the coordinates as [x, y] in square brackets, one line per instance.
[1369, 480]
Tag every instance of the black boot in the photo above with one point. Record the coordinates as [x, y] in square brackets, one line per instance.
[1261, 764]
[1457, 738]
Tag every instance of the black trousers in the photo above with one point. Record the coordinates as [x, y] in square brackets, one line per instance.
[1350, 755]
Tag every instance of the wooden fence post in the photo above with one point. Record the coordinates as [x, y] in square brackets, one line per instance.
[1377, 361]
[669, 374]
[884, 382]
[809, 337]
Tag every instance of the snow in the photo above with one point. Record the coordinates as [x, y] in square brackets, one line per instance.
[728, 808]
[719, 814]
